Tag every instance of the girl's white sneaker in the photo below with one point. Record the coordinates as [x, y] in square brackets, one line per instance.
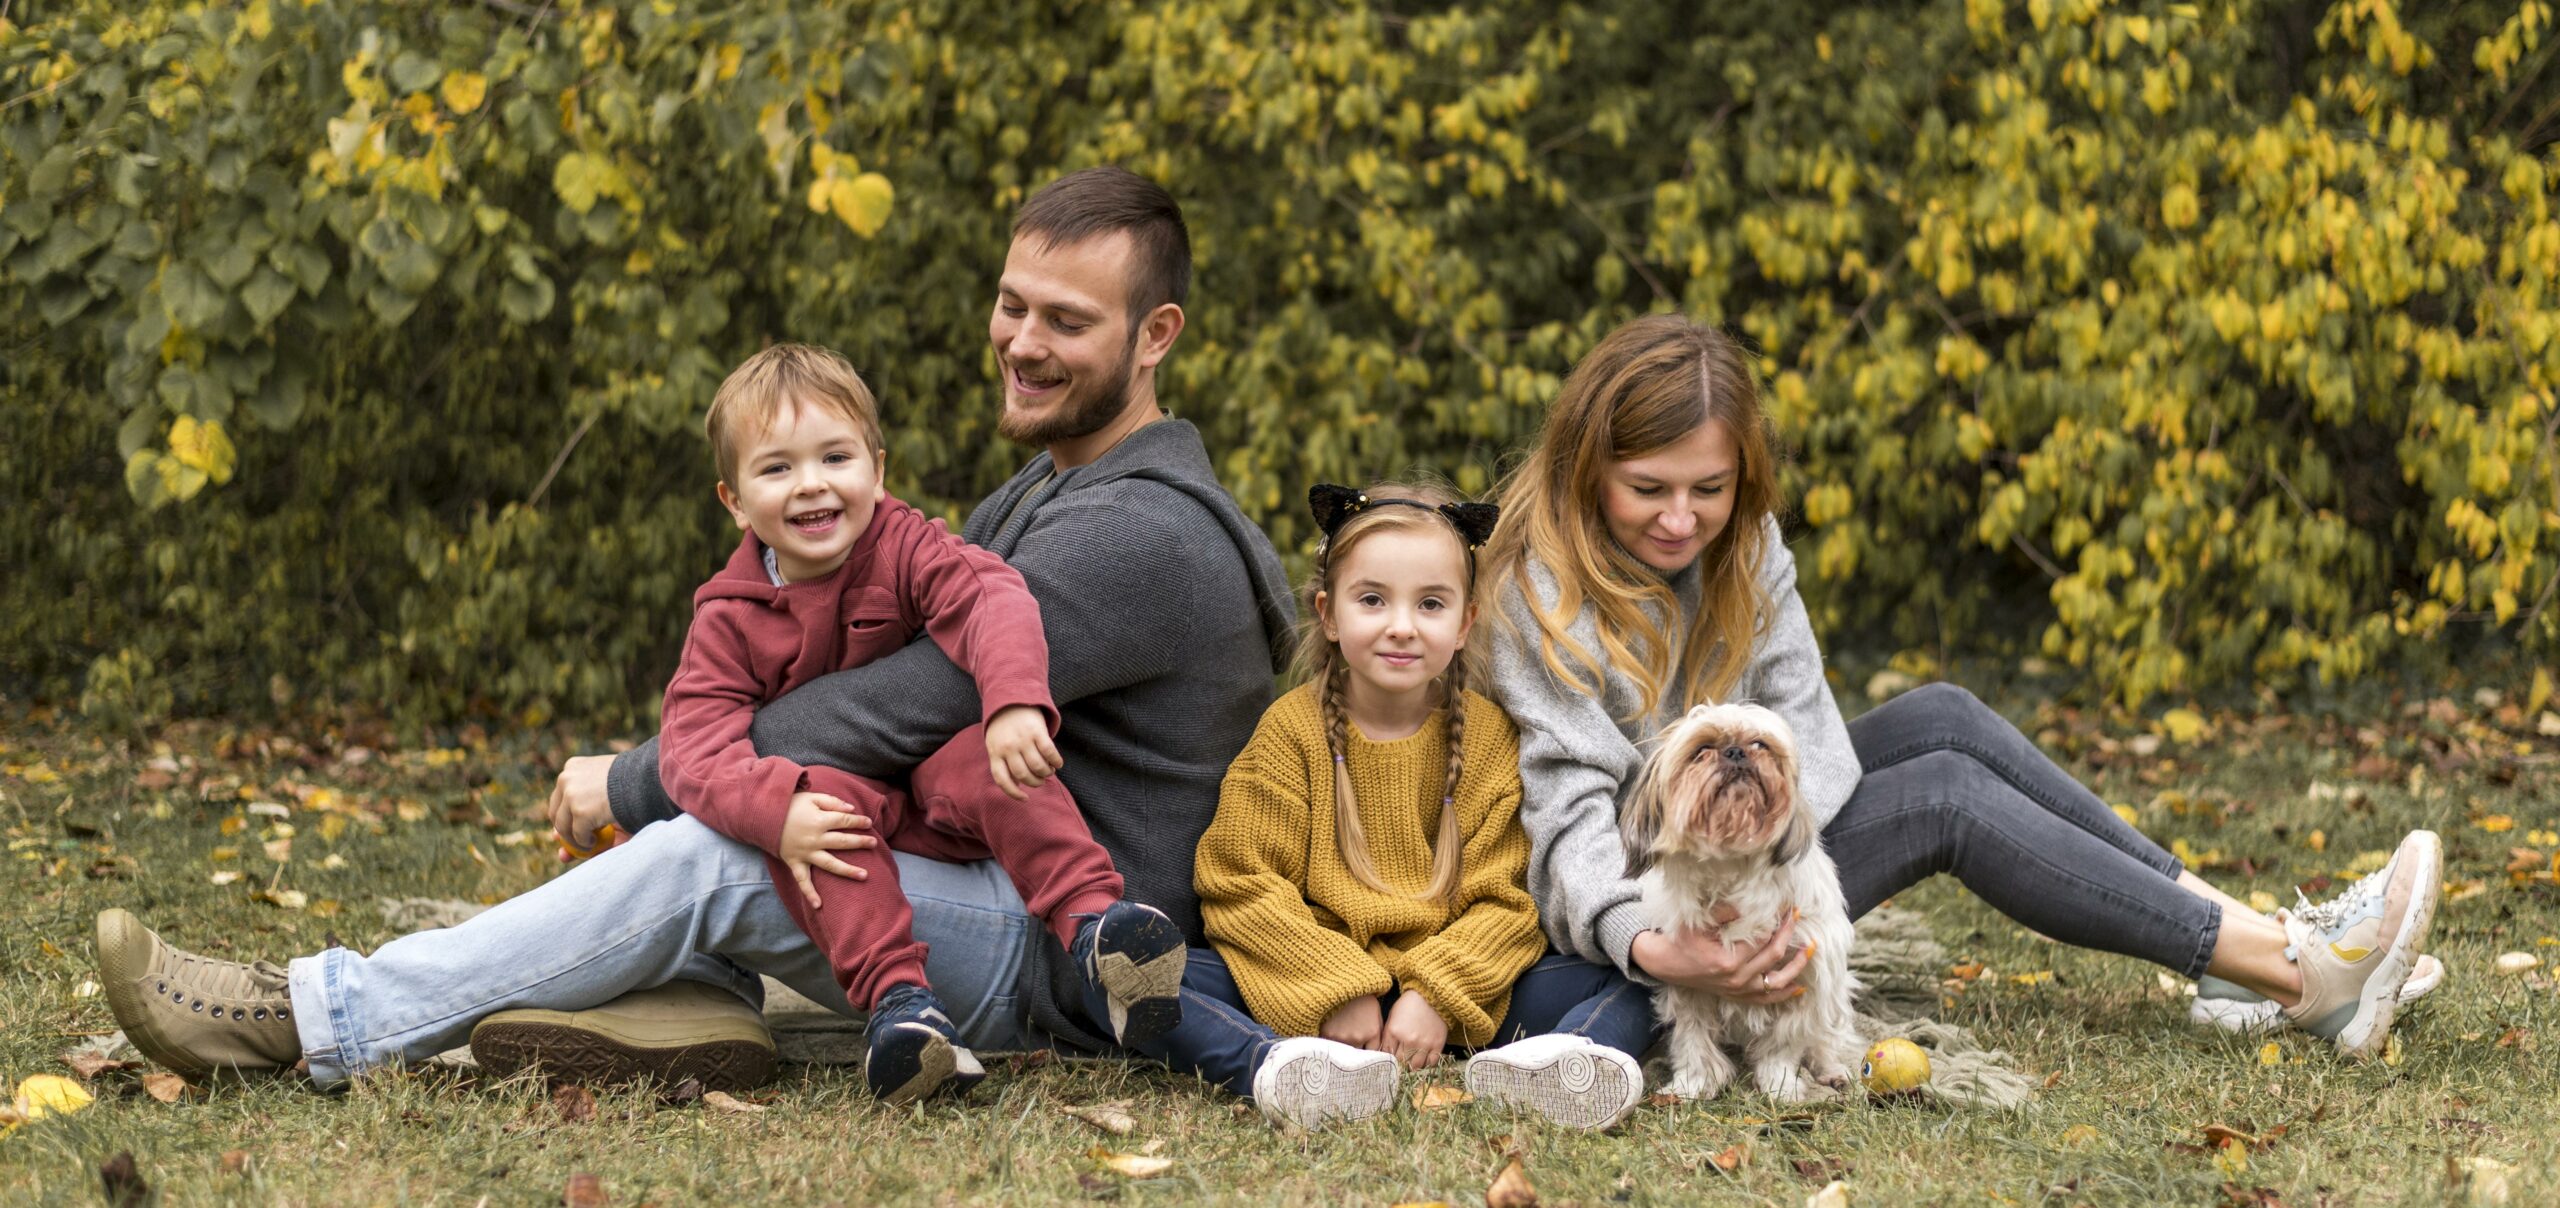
[1570, 1080]
[1311, 1082]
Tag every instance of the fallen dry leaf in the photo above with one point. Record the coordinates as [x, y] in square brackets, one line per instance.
[1112, 1118]
[1511, 1188]
[1129, 1165]
[1662, 1099]
[42, 1095]
[576, 1104]
[122, 1182]
[167, 1088]
[88, 1062]
[1433, 1098]
[1732, 1157]
[2080, 1134]
[687, 1091]
[1422, 1204]
[235, 1161]
[1834, 1194]
[584, 1191]
[724, 1101]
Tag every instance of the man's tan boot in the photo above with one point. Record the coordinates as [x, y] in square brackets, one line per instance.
[680, 1030]
[191, 1013]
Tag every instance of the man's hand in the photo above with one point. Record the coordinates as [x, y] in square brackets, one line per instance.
[1701, 960]
[1414, 1032]
[1019, 752]
[813, 832]
[1355, 1023]
[578, 807]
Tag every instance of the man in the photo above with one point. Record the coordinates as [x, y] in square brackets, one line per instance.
[1167, 615]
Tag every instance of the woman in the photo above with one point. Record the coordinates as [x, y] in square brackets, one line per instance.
[1639, 571]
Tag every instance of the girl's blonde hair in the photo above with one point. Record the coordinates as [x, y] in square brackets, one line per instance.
[1647, 385]
[1321, 660]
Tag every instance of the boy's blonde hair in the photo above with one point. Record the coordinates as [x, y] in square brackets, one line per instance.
[1320, 658]
[1648, 385]
[757, 391]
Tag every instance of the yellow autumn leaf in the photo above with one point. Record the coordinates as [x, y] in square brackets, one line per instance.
[863, 203]
[2079, 1134]
[44, 1095]
[202, 446]
[2496, 823]
[2271, 1053]
[2262, 901]
[2131, 816]
[464, 90]
[2540, 694]
[1130, 1165]
[2183, 725]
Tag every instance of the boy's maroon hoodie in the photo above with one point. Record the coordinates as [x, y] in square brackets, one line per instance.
[752, 641]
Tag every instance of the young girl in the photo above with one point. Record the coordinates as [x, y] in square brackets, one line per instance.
[1362, 883]
[1639, 570]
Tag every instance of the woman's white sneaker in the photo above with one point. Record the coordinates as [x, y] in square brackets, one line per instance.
[1311, 1082]
[1570, 1080]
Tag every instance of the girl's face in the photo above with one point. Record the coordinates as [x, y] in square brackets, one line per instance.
[1398, 609]
[1668, 505]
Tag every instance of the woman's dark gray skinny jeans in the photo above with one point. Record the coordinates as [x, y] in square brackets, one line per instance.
[1952, 787]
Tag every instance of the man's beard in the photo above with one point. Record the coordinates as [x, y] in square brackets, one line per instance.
[1076, 416]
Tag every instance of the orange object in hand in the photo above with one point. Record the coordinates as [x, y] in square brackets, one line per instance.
[607, 835]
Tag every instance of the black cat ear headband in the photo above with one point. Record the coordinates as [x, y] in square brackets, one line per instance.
[1334, 505]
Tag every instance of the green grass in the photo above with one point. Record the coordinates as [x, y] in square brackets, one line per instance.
[89, 826]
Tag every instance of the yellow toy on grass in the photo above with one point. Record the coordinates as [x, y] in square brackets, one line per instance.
[1895, 1064]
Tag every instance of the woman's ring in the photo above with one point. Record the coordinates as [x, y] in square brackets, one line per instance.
[1764, 981]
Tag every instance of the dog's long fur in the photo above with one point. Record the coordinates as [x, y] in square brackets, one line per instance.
[1715, 820]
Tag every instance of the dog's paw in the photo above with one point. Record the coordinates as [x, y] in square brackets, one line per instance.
[1836, 1079]
[1785, 1083]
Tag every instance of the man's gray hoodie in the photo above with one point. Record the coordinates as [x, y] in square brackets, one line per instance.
[1168, 618]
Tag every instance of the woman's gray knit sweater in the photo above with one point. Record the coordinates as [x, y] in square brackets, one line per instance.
[1576, 760]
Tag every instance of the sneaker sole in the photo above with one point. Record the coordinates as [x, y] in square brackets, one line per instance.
[938, 1063]
[1140, 969]
[2370, 1029]
[565, 1052]
[1311, 1091]
[1576, 1090]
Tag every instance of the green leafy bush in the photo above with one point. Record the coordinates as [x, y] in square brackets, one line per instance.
[354, 351]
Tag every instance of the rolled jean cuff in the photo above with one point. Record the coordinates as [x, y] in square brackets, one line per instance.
[314, 983]
[2206, 937]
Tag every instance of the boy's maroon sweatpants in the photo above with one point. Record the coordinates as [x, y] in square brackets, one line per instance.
[953, 811]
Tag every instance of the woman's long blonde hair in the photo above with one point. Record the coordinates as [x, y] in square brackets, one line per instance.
[1321, 659]
[1647, 385]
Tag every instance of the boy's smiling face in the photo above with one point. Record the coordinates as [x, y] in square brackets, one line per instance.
[807, 487]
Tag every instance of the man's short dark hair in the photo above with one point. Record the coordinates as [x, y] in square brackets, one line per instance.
[1094, 202]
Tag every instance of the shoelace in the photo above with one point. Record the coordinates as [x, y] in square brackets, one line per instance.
[2325, 915]
[231, 980]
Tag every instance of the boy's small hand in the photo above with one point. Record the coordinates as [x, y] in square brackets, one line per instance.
[1354, 1023]
[1414, 1032]
[1019, 752]
[813, 832]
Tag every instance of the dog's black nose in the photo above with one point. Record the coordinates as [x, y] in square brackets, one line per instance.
[1735, 754]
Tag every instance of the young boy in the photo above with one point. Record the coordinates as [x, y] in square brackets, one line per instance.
[833, 573]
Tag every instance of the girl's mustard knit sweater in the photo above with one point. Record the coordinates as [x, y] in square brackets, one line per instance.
[1303, 936]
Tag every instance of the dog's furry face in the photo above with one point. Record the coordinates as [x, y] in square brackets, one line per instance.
[1721, 784]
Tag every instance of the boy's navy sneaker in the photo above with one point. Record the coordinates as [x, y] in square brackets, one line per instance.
[914, 1048]
[1130, 958]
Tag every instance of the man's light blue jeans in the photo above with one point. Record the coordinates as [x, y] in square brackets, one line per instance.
[676, 901]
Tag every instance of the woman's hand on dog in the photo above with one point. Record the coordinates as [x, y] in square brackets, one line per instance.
[1414, 1032]
[1356, 1023]
[1701, 960]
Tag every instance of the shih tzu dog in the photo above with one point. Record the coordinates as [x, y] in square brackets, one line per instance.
[1714, 828]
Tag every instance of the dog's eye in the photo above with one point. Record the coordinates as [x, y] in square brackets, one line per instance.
[1700, 753]
[1758, 745]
